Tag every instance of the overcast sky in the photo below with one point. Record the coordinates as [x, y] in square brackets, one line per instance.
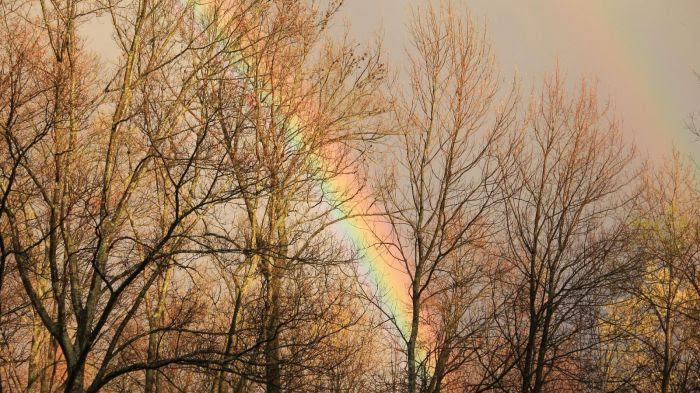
[643, 53]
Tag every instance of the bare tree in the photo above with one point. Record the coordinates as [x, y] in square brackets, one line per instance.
[312, 106]
[22, 86]
[81, 228]
[436, 200]
[563, 232]
[657, 315]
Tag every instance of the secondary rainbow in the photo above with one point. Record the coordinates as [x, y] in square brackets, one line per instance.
[639, 69]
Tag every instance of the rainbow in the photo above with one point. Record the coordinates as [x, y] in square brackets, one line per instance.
[391, 282]
[638, 69]
[353, 221]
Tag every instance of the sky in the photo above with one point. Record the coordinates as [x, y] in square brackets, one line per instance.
[643, 54]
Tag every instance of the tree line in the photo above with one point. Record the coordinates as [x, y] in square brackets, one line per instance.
[168, 220]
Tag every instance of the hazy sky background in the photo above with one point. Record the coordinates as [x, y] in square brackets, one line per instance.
[643, 53]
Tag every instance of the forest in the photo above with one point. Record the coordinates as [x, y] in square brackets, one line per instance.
[241, 198]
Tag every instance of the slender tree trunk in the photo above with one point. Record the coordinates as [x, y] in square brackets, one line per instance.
[531, 336]
[275, 267]
[668, 338]
[41, 357]
[272, 272]
[157, 321]
[411, 345]
[439, 371]
[542, 351]
[666, 376]
[3, 260]
[153, 337]
[220, 384]
[36, 355]
[77, 375]
[152, 379]
[272, 366]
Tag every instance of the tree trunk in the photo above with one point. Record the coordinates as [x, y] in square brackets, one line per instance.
[544, 343]
[272, 361]
[415, 323]
[41, 355]
[668, 339]
[36, 355]
[526, 371]
[76, 375]
[157, 321]
[220, 384]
